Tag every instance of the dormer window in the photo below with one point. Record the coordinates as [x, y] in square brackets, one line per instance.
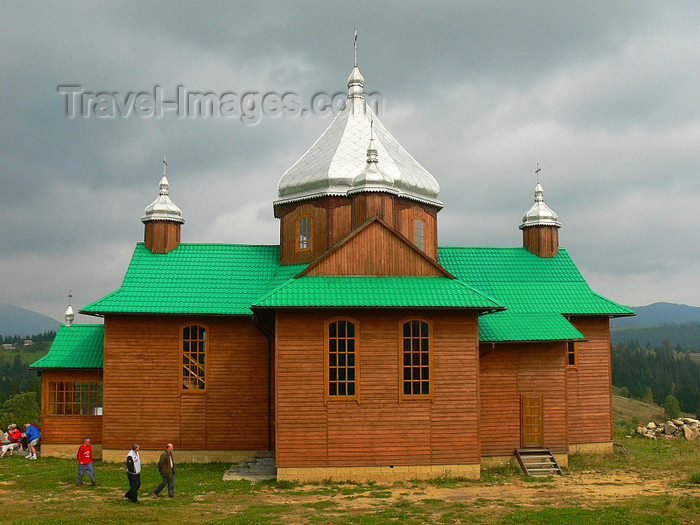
[419, 234]
[304, 233]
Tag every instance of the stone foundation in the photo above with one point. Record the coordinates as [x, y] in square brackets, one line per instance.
[382, 473]
[60, 450]
[591, 448]
[498, 461]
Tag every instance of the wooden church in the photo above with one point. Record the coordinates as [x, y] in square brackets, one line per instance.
[356, 349]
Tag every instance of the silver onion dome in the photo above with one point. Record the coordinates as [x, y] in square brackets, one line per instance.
[333, 162]
[356, 83]
[372, 178]
[163, 209]
[69, 316]
[540, 214]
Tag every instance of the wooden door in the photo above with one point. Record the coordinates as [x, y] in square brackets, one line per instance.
[531, 424]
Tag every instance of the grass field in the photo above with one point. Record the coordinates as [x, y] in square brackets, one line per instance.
[29, 354]
[657, 482]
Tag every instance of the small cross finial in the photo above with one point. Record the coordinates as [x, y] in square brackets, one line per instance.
[165, 164]
[355, 45]
[537, 172]
[70, 297]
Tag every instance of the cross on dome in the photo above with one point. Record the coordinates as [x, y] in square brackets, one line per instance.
[332, 164]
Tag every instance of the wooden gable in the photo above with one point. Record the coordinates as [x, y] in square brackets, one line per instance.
[375, 249]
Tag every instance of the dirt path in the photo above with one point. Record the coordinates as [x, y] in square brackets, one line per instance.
[587, 489]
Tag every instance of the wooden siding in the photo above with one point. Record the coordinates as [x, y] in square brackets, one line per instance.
[339, 219]
[334, 218]
[68, 429]
[368, 205]
[510, 370]
[142, 399]
[376, 250]
[331, 222]
[162, 236]
[406, 212]
[288, 232]
[543, 241]
[589, 387]
[377, 430]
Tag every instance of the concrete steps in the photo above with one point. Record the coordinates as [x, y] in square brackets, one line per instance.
[255, 468]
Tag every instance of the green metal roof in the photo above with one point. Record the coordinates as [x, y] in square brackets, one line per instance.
[75, 346]
[229, 279]
[516, 326]
[197, 279]
[536, 291]
[378, 292]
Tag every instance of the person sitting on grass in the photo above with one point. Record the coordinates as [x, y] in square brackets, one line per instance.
[13, 435]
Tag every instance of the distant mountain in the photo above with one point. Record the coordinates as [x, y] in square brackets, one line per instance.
[687, 335]
[658, 314]
[20, 321]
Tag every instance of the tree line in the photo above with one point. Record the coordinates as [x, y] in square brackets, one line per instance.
[49, 335]
[652, 374]
[685, 336]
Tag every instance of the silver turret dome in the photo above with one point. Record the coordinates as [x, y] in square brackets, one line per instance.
[372, 178]
[163, 209]
[540, 214]
[332, 164]
[69, 316]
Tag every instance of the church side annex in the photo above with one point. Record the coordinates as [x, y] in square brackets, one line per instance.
[357, 348]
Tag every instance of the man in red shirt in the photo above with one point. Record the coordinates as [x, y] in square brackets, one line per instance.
[85, 462]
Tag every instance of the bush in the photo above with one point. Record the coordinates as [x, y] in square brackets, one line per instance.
[671, 407]
[20, 408]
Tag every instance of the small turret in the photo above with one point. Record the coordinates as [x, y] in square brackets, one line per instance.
[540, 226]
[163, 220]
[69, 315]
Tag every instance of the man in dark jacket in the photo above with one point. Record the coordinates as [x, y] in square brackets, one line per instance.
[167, 471]
[133, 472]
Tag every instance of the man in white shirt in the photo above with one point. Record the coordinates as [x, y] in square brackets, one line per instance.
[133, 472]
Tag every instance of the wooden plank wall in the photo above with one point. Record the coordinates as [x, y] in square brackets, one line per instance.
[541, 240]
[589, 385]
[142, 401]
[406, 212]
[378, 430]
[368, 205]
[68, 429]
[162, 236]
[375, 251]
[288, 232]
[339, 219]
[514, 369]
[334, 218]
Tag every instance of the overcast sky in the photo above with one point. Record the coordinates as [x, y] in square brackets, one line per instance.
[604, 95]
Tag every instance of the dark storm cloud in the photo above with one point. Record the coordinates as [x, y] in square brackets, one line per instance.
[603, 95]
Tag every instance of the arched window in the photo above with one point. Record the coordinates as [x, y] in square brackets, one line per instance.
[193, 372]
[416, 360]
[304, 233]
[342, 360]
[419, 234]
